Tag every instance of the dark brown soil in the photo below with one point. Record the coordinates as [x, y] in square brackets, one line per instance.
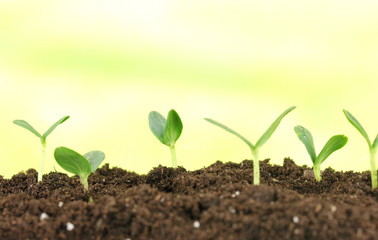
[217, 202]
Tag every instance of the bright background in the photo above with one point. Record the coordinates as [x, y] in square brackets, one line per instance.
[107, 64]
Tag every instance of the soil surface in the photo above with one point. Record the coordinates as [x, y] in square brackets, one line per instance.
[217, 202]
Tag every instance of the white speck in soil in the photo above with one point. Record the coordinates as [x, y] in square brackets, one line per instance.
[43, 216]
[232, 210]
[237, 193]
[103, 179]
[162, 199]
[295, 219]
[70, 226]
[196, 224]
[333, 208]
[60, 204]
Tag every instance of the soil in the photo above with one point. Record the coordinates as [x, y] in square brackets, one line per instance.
[217, 202]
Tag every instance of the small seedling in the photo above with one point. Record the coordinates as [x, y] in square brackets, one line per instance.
[43, 137]
[373, 148]
[334, 143]
[77, 164]
[167, 131]
[260, 142]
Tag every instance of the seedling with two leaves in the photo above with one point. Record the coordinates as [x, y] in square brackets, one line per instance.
[43, 137]
[373, 148]
[167, 130]
[255, 148]
[78, 164]
[334, 143]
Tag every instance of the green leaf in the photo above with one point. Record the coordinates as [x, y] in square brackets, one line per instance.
[60, 121]
[230, 131]
[173, 128]
[27, 126]
[157, 125]
[95, 158]
[306, 138]
[375, 143]
[357, 125]
[334, 143]
[272, 128]
[72, 161]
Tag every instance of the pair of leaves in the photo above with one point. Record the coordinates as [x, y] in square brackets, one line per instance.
[359, 128]
[268, 133]
[43, 137]
[334, 143]
[167, 130]
[75, 163]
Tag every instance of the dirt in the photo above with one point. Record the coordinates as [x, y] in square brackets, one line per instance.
[216, 202]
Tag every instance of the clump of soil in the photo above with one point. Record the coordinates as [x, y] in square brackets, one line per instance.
[217, 202]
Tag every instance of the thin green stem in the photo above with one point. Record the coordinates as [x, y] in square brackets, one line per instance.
[173, 155]
[256, 167]
[42, 163]
[374, 181]
[317, 174]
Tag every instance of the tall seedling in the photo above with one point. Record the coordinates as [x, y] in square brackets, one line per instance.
[43, 137]
[255, 148]
[167, 130]
[372, 147]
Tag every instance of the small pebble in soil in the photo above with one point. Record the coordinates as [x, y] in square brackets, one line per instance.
[70, 226]
[237, 193]
[44, 216]
[333, 208]
[196, 224]
[60, 204]
[295, 219]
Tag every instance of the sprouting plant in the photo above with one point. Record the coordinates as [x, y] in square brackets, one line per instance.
[334, 143]
[373, 148]
[78, 164]
[43, 137]
[167, 130]
[255, 148]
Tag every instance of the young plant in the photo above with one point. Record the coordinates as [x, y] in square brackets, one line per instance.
[334, 143]
[373, 148]
[255, 148]
[167, 131]
[77, 164]
[43, 137]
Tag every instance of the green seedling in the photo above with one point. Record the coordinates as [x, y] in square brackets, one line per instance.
[255, 148]
[334, 143]
[43, 137]
[78, 164]
[372, 147]
[167, 130]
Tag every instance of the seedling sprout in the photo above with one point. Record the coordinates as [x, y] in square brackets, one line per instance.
[43, 137]
[334, 143]
[77, 164]
[255, 148]
[372, 147]
[167, 130]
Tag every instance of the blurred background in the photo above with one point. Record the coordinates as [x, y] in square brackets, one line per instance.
[107, 64]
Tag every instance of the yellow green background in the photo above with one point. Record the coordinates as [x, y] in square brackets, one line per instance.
[107, 64]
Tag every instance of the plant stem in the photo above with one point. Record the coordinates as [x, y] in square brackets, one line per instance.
[374, 181]
[42, 163]
[317, 174]
[173, 155]
[84, 181]
[256, 167]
